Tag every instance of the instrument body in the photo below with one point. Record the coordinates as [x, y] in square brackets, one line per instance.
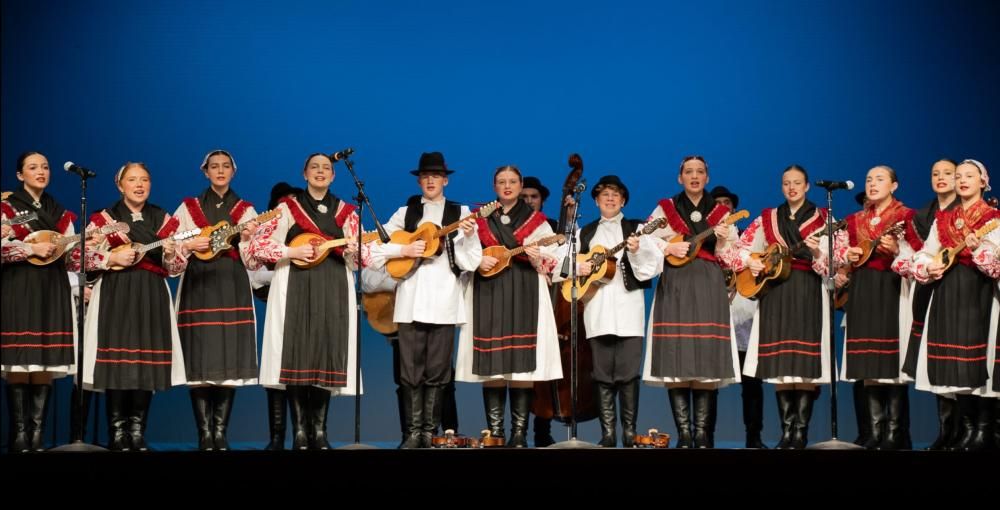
[401, 268]
[221, 234]
[322, 245]
[64, 242]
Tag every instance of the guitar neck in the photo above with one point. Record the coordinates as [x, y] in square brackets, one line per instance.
[454, 226]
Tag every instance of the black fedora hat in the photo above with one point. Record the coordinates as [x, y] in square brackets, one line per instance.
[722, 191]
[431, 162]
[533, 182]
[610, 180]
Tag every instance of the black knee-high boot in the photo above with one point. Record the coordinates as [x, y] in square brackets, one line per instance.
[276, 418]
[607, 414]
[413, 412]
[894, 437]
[786, 413]
[319, 403]
[680, 406]
[705, 407]
[968, 407]
[298, 407]
[222, 401]
[946, 423]
[861, 414]
[39, 407]
[433, 408]
[201, 403]
[542, 428]
[139, 418]
[982, 438]
[495, 403]
[803, 414]
[520, 407]
[17, 404]
[876, 396]
[752, 395]
[116, 404]
[628, 399]
[78, 414]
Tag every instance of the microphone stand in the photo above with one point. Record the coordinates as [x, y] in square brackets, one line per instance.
[570, 261]
[833, 443]
[361, 199]
[80, 445]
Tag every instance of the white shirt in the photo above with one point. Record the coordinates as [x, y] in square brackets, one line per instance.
[432, 295]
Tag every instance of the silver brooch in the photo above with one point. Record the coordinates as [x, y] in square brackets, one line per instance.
[959, 223]
[505, 219]
[322, 208]
[36, 204]
[695, 216]
[219, 205]
[875, 221]
[137, 216]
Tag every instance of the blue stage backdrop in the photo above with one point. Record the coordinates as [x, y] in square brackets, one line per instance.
[836, 86]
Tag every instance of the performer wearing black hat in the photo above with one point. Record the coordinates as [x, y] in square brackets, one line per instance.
[614, 318]
[431, 302]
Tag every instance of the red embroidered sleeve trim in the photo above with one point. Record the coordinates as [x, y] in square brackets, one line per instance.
[195, 212]
[486, 236]
[673, 218]
[344, 212]
[301, 218]
[65, 221]
[718, 212]
[236, 214]
[534, 221]
[769, 222]
[168, 228]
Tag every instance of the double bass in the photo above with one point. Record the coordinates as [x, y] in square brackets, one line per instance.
[553, 399]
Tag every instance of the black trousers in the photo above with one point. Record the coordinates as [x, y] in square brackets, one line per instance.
[425, 352]
[616, 359]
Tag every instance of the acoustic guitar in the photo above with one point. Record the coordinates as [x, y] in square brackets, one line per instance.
[698, 239]
[142, 249]
[868, 247]
[948, 256]
[603, 266]
[402, 267]
[322, 246]
[63, 242]
[221, 234]
[504, 255]
[777, 261]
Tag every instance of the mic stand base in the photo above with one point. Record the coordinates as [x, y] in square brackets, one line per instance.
[78, 446]
[572, 444]
[834, 444]
[357, 446]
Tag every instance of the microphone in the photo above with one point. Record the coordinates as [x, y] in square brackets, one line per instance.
[832, 185]
[344, 154]
[79, 170]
